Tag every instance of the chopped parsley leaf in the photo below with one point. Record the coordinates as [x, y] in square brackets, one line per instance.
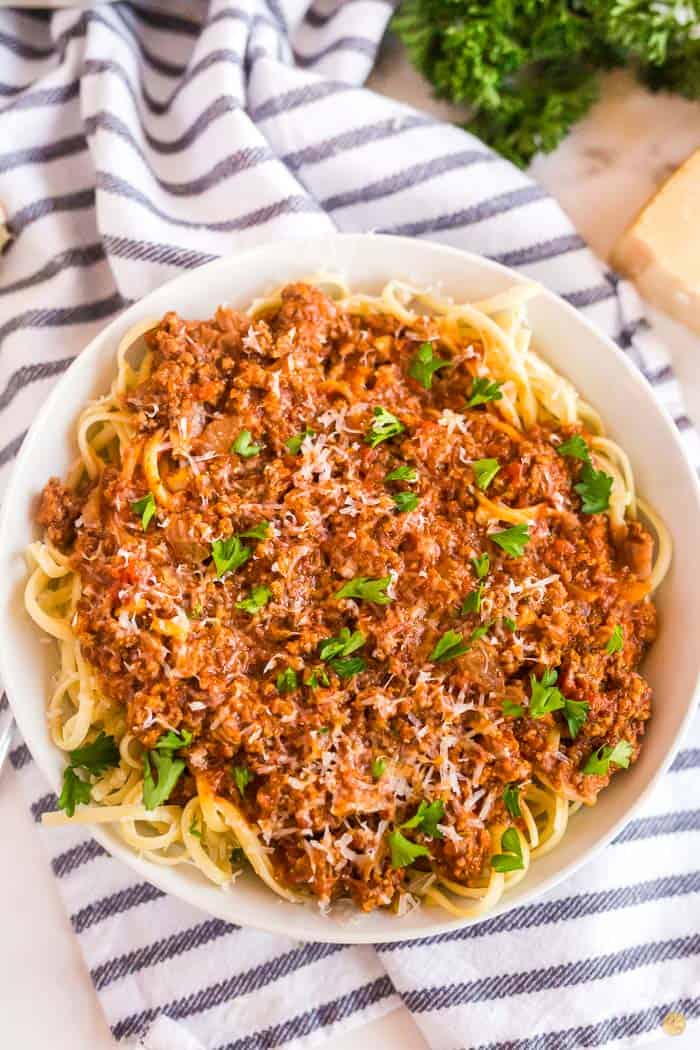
[512, 858]
[480, 631]
[481, 566]
[599, 762]
[424, 364]
[574, 446]
[509, 623]
[366, 589]
[194, 830]
[100, 754]
[144, 508]
[511, 798]
[575, 713]
[75, 791]
[256, 532]
[244, 447]
[378, 768]
[544, 695]
[513, 541]
[318, 678]
[594, 489]
[172, 741]
[286, 681]
[472, 603]
[256, 600]
[448, 647]
[616, 641]
[427, 817]
[512, 710]
[408, 474]
[485, 471]
[483, 391]
[169, 771]
[385, 425]
[229, 555]
[97, 756]
[406, 501]
[347, 666]
[294, 444]
[403, 851]
[242, 777]
[342, 644]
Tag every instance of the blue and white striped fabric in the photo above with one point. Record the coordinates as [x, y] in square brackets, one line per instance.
[136, 144]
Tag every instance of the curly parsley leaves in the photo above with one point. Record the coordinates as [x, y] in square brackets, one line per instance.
[424, 364]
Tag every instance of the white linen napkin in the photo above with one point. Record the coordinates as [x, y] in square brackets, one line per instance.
[135, 144]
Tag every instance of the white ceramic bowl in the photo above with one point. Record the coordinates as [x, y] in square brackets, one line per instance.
[605, 378]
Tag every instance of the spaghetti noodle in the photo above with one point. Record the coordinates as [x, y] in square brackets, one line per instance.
[282, 659]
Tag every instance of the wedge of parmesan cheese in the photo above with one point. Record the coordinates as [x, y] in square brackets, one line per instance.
[661, 249]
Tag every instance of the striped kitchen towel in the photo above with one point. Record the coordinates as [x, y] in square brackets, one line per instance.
[136, 143]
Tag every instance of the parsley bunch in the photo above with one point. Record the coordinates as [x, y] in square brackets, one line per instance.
[529, 68]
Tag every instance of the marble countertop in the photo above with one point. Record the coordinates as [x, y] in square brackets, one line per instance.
[601, 174]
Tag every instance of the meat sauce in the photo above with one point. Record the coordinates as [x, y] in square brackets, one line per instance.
[337, 764]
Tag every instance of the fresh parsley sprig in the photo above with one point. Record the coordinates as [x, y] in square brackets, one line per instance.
[169, 769]
[94, 758]
[385, 425]
[513, 541]
[598, 763]
[484, 390]
[448, 647]
[366, 588]
[425, 363]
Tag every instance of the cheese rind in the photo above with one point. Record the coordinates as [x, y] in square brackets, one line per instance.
[661, 249]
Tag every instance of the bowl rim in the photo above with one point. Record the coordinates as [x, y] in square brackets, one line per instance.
[336, 933]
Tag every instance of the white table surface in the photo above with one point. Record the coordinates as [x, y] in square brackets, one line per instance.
[602, 174]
